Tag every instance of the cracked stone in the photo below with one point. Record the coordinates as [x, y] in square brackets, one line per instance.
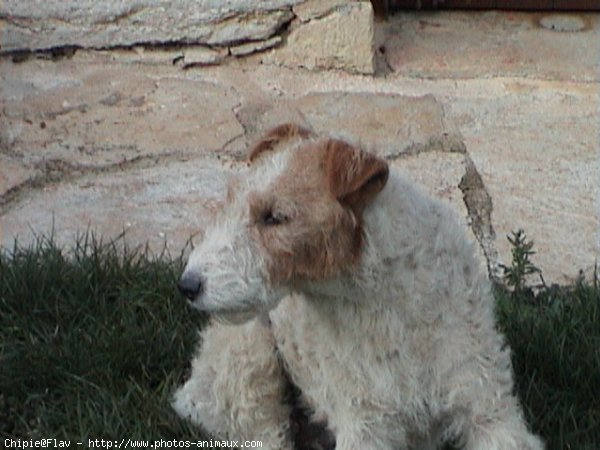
[316, 9]
[12, 174]
[479, 211]
[203, 55]
[164, 204]
[342, 39]
[250, 27]
[145, 55]
[526, 117]
[254, 47]
[390, 124]
[113, 23]
[117, 113]
[258, 117]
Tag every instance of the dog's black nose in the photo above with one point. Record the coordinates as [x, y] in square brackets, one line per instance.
[190, 285]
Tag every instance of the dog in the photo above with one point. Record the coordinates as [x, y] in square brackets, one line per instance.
[332, 272]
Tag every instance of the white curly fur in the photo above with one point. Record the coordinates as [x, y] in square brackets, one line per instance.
[397, 351]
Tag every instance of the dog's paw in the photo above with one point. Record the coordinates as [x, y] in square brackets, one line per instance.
[184, 405]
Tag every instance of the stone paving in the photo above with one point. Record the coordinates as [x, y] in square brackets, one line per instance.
[490, 111]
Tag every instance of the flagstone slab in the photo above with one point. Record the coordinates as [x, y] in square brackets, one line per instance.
[38, 25]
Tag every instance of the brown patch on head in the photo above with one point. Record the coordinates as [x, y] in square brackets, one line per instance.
[354, 177]
[276, 136]
[309, 220]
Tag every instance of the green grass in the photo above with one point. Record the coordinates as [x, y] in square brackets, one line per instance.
[94, 341]
[555, 339]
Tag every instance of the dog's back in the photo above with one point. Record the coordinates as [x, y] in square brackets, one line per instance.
[404, 326]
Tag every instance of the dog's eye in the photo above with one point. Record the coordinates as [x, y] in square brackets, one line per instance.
[272, 218]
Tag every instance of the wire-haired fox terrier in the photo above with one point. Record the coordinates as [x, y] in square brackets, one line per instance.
[331, 271]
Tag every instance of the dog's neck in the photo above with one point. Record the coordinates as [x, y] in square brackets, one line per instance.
[382, 276]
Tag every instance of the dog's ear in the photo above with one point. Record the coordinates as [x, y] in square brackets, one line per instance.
[277, 135]
[354, 176]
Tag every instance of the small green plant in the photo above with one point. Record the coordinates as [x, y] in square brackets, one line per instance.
[521, 267]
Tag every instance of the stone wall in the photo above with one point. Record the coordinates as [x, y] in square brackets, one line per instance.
[491, 112]
[310, 33]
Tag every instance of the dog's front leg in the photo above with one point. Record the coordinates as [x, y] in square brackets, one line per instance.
[236, 389]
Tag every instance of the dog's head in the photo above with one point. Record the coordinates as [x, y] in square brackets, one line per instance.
[293, 220]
